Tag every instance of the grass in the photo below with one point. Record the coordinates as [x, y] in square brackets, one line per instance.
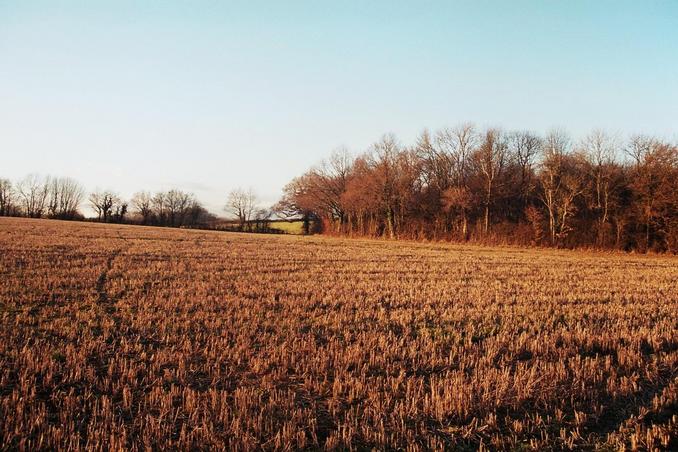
[123, 337]
[294, 227]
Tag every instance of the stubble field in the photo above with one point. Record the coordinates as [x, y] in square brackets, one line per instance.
[122, 337]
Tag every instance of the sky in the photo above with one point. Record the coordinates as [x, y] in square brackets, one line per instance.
[210, 96]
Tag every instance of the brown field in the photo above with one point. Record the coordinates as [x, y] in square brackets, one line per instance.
[146, 338]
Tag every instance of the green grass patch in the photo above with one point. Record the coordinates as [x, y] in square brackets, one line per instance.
[288, 227]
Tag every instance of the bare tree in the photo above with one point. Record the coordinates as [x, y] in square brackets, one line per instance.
[119, 212]
[65, 196]
[105, 203]
[299, 202]
[330, 179]
[172, 208]
[241, 204]
[455, 149]
[33, 191]
[638, 147]
[490, 159]
[143, 205]
[599, 149]
[197, 214]
[159, 204]
[524, 147]
[177, 204]
[383, 164]
[655, 184]
[465, 141]
[561, 183]
[7, 195]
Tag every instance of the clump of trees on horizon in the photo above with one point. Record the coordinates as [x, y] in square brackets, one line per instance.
[37, 196]
[492, 186]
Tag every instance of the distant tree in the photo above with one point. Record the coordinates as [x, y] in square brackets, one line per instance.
[319, 191]
[599, 150]
[435, 177]
[159, 206]
[173, 208]
[142, 202]
[119, 212]
[362, 196]
[64, 197]
[654, 180]
[383, 161]
[177, 204]
[105, 204]
[524, 147]
[561, 182]
[458, 145]
[490, 160]
[33, 191]
[242, 205]
[298, 203]
[638, 147]
[7, 198]
[197, 215]
[328, 183]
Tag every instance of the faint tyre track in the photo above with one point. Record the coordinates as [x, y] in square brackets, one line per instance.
[104, 299]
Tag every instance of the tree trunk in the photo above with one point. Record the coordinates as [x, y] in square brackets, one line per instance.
[389, 223]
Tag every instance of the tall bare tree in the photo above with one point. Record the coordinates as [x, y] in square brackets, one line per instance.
[33, 191]
[524, 147]
[490, 159]
[177, 204]
[457, 146]
[65, 196]
[638, 147]
[654, 180]
[599, 149]
[383, 161]
[323, 187]
[562, 181]
[7, 195]
[241, 204]
[105, 204]
[143, 206]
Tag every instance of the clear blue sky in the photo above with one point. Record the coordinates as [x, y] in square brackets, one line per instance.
[208, 96]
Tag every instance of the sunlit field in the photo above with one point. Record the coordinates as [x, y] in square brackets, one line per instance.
[150, 338]
[288, 227]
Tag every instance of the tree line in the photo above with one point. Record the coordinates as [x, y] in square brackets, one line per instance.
[461, 184]
[37, 196]
[493, 186]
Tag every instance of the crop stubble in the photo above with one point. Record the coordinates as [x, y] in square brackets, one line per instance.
[135, 337]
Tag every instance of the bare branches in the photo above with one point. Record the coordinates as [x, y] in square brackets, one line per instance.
[173, 208]
[241, 204]
[104, 203]
[33, 192]
[459, 183]
[7, 198]
[143, 205]
[65, 197]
